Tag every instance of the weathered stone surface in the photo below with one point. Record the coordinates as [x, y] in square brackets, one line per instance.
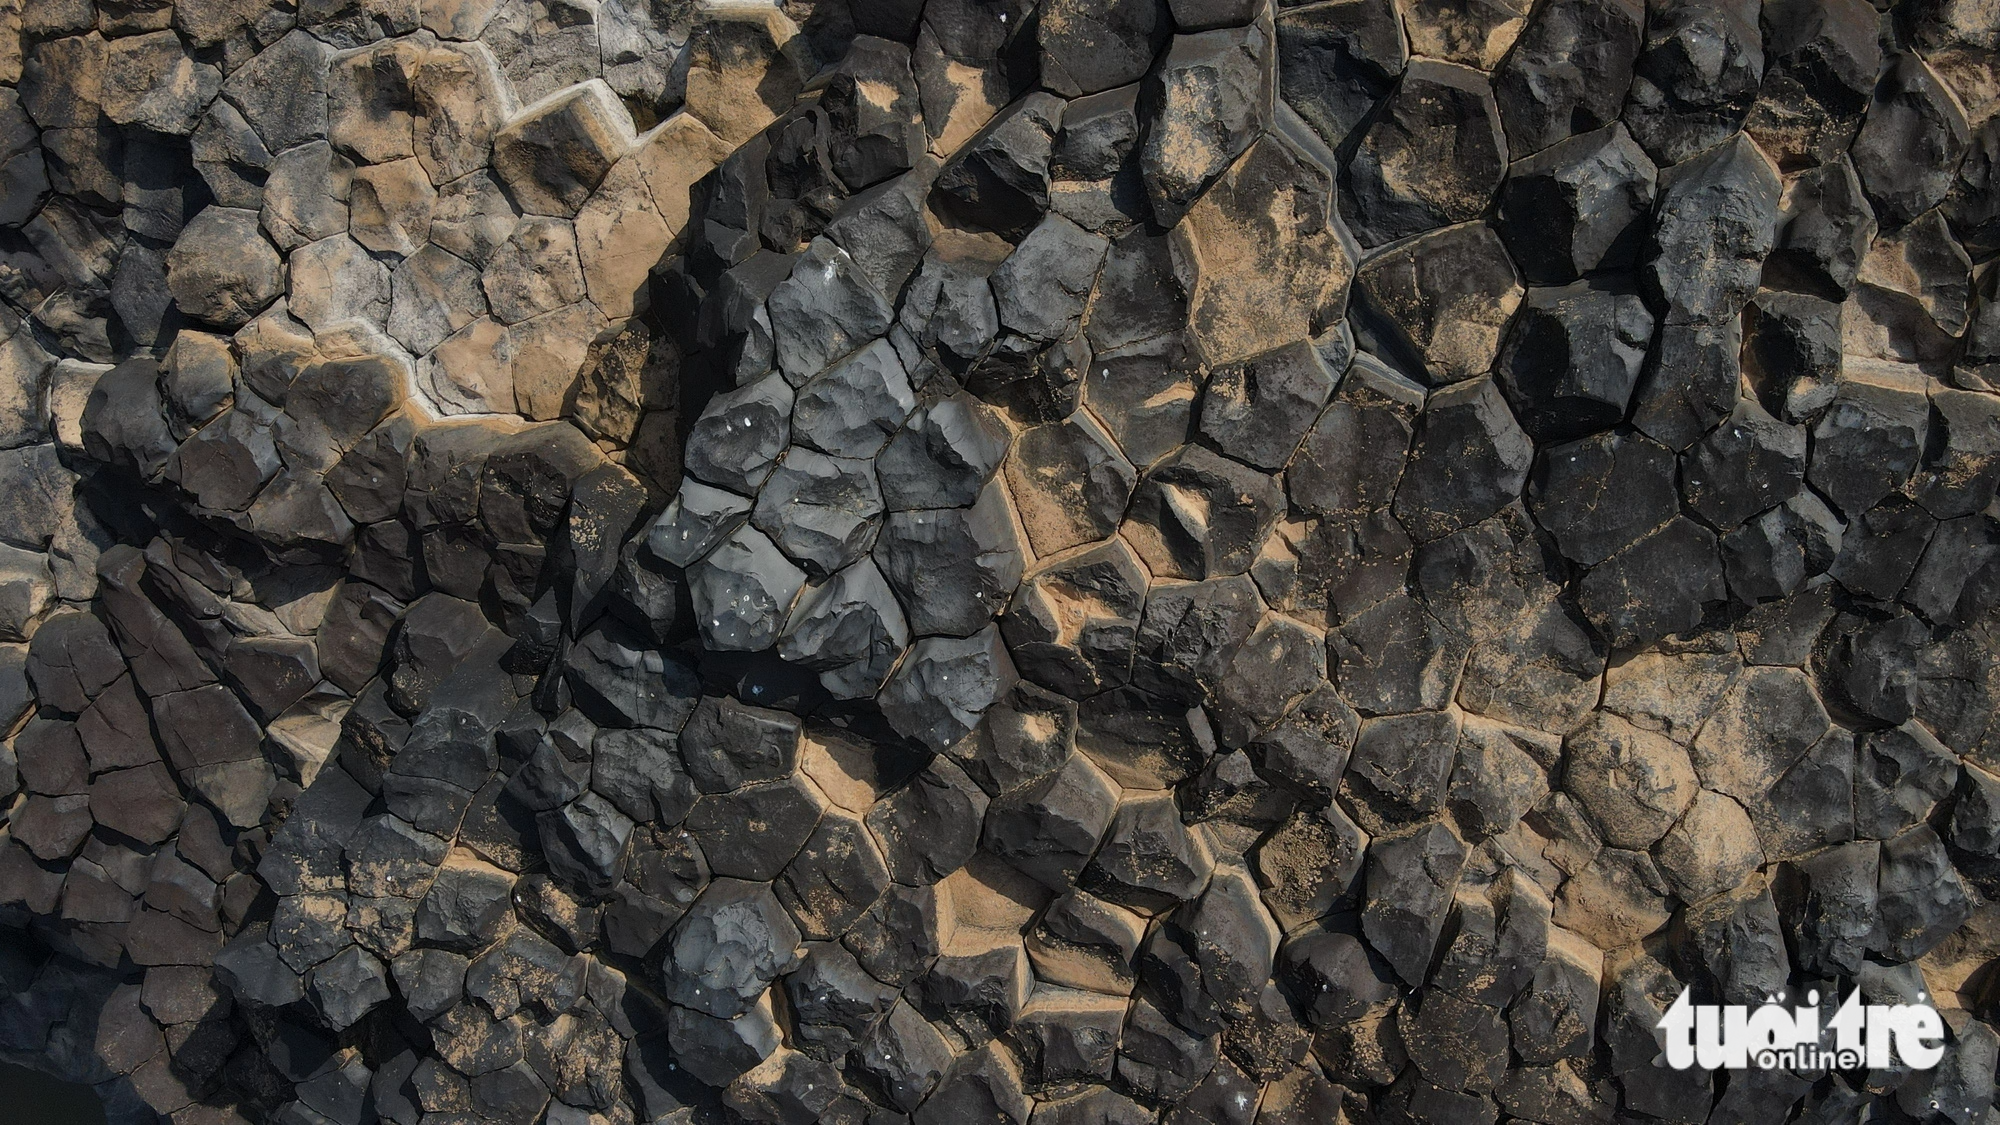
[1437, 304]
[1435, 157]
[1335, 61]
[1049, 595]
[1910, 141]
[1228, 75]
[1716, 221]
[1464, 425]
[1000, 178]
[1696, 77]
[1263, 254]
[221, 270]
[1568, 72]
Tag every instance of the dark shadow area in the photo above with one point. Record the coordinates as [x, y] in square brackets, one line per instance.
[30, 1096]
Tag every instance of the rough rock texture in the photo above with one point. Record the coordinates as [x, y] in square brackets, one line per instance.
[1101, 561]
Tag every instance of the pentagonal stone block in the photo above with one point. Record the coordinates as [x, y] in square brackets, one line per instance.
[1434, 156]
[1229, 74]
[826, 309]
[1050, 829]
[1578, 206]
[1715, 222]
[1438, 303]
[1599, 494]
[752, 832]
[1336, 61]
[1470, 459]
[743, 591]
[1910, 142]
[1633, 783]
[953, 567]
[1410, 881]
[1750, 463]
[1254, 284]
[1680, 106]
[1655, 587]
[1573, 357]
[1000, 178]
[1197, 515]
[821, 511]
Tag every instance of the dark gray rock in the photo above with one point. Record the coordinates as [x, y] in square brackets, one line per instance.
[1655, 587]
[825, 310]
[836, 876]
[734, 941]
[1821, 62]
[1040, 289]
[348, 986]
[1070, 483]
[1598, 494]
[906, 1056]
[1206, 100]
[852, 409]
[900, 936]
[999, 180]
[1581, 204]
[1573, 358]
[850, 629]
[1148, 860]
[465, 905]
[981, 1085]
[1353, 456]
[1470, 459]
[1099, 133]
[943, 457]
[1792, 351]
[1747, 465]
[1220, 535]
[1336, 61]
[1826, 229]
[753, 831]
[954, 568]
[1691, 381]
[834, 999]
[822, 512]
[587, 842]
[872, 113]
[718, 1051]
[1695, 80]
[1157, 1059]
[743, 592]
[1310, 867]
[1437, 304]
[1881, 547]
[1568, 72]
[1395, 656]
[1257, 410]
[640, 772]
[699, 517]
[1973, 206]
[929, 827]
[622, 681]
[1434, 156]
[1910, 142]
[1410, 881]
[1050, 829]
[741, 434]
[1715, 223]
[1868, 441]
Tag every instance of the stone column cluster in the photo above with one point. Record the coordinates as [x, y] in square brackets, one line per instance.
[1092, 562]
